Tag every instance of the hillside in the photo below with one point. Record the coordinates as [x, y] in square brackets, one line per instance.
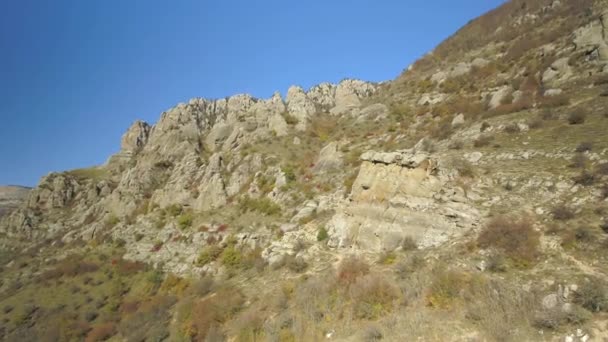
[465, 200]
[11, 197]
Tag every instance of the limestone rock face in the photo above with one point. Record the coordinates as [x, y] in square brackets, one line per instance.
[136, 137]
[349, 94]
[300, 106]
[324, 95]
[330, 159]
[398, 195]
[593, 37]
[499, 95]
[55, 191]
[558, 71]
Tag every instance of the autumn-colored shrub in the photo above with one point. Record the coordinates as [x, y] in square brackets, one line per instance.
[446, 287]
[215, 310]
[351, 268]
[373, 296]
[515, 237]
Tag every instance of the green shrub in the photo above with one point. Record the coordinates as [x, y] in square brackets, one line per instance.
[231, 257]
[593, 295]
[208, 254]
[322, 234]
[387, 258]
[185, 220]
[112, 220]
[262, 205]
[173, 210]
[290, 174]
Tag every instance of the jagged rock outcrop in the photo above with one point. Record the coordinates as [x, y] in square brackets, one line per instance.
[349, 94]
[136, 137]
[558, 71]
[592, 38]
[398, 195]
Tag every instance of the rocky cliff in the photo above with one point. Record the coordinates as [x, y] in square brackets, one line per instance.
[476, 181]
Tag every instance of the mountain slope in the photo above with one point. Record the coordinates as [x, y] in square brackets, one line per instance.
[11, 197]
[466, 199]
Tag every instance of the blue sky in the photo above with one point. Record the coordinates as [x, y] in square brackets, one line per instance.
[75, 74]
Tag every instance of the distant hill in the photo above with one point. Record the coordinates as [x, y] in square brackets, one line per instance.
[11, 197]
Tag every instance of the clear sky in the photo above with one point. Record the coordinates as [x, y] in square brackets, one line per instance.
[74, 74]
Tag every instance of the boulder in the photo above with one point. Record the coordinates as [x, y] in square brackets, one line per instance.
[458, 120]
[499, 96]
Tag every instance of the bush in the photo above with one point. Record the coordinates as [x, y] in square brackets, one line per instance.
[516, 238]
[372, 333]
[496, 262]
[553, 101]
[535, 123]
[409, 244]
[262, 205]
[446, 287]
[214, 311]
[584, 147]
[352, 268]
[185, 221]
[604, 226]
[585, 178]
[593, 295]
[484, 126]
[483, 141]
[387, 258]
[322, 234]
[562, 212]
[296, 264]
[173, 210]
[373, 296]
[579, 161]
[464, 168]
[456, 145]
[556, 317]
[231, 257]
[602, 169]
[512, 128]
[576, 118]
